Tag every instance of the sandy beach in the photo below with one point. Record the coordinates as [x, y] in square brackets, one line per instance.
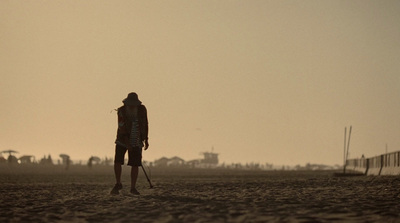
[197, 196]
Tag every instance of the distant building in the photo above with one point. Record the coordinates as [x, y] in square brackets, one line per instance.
[193, 163]
[176, 161]
[165, 162]
[27, 159]
[210, 158]
[162, 162]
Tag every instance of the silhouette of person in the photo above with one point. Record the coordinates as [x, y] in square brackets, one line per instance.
[67, 162]
[132, 136]
[90, 162]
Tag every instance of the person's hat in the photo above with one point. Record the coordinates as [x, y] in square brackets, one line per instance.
[132, 99]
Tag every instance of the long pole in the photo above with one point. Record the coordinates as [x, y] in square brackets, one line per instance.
[344, 152]
[148, 179]
[348, 146]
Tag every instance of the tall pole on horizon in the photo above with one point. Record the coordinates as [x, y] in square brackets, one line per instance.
[348, 146]
[344, 152]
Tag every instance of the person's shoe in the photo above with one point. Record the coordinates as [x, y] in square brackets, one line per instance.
[116, 189]
[134, 191]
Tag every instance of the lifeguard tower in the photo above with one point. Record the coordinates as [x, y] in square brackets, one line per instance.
[210, 158]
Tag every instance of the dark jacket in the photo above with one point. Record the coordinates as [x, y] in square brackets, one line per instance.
[124, 126]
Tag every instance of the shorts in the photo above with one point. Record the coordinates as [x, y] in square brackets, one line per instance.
[134, 156]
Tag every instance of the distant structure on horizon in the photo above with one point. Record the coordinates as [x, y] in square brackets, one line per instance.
[210, 160]
[165, 162]
[385, 164]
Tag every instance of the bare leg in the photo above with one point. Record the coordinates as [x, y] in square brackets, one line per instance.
[134, 176]
[117, 171]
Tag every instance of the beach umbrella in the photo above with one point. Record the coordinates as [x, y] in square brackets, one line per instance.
[9, 151]
[95, 159]
[64, 156]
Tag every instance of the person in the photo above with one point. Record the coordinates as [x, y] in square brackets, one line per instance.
[132, 136]
[90, 162]
[67, 163]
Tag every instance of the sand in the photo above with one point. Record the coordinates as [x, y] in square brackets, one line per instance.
[198, 196]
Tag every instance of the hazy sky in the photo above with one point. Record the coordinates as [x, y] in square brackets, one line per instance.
[264, 81]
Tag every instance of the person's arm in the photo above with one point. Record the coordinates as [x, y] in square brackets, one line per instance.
[145, 129]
